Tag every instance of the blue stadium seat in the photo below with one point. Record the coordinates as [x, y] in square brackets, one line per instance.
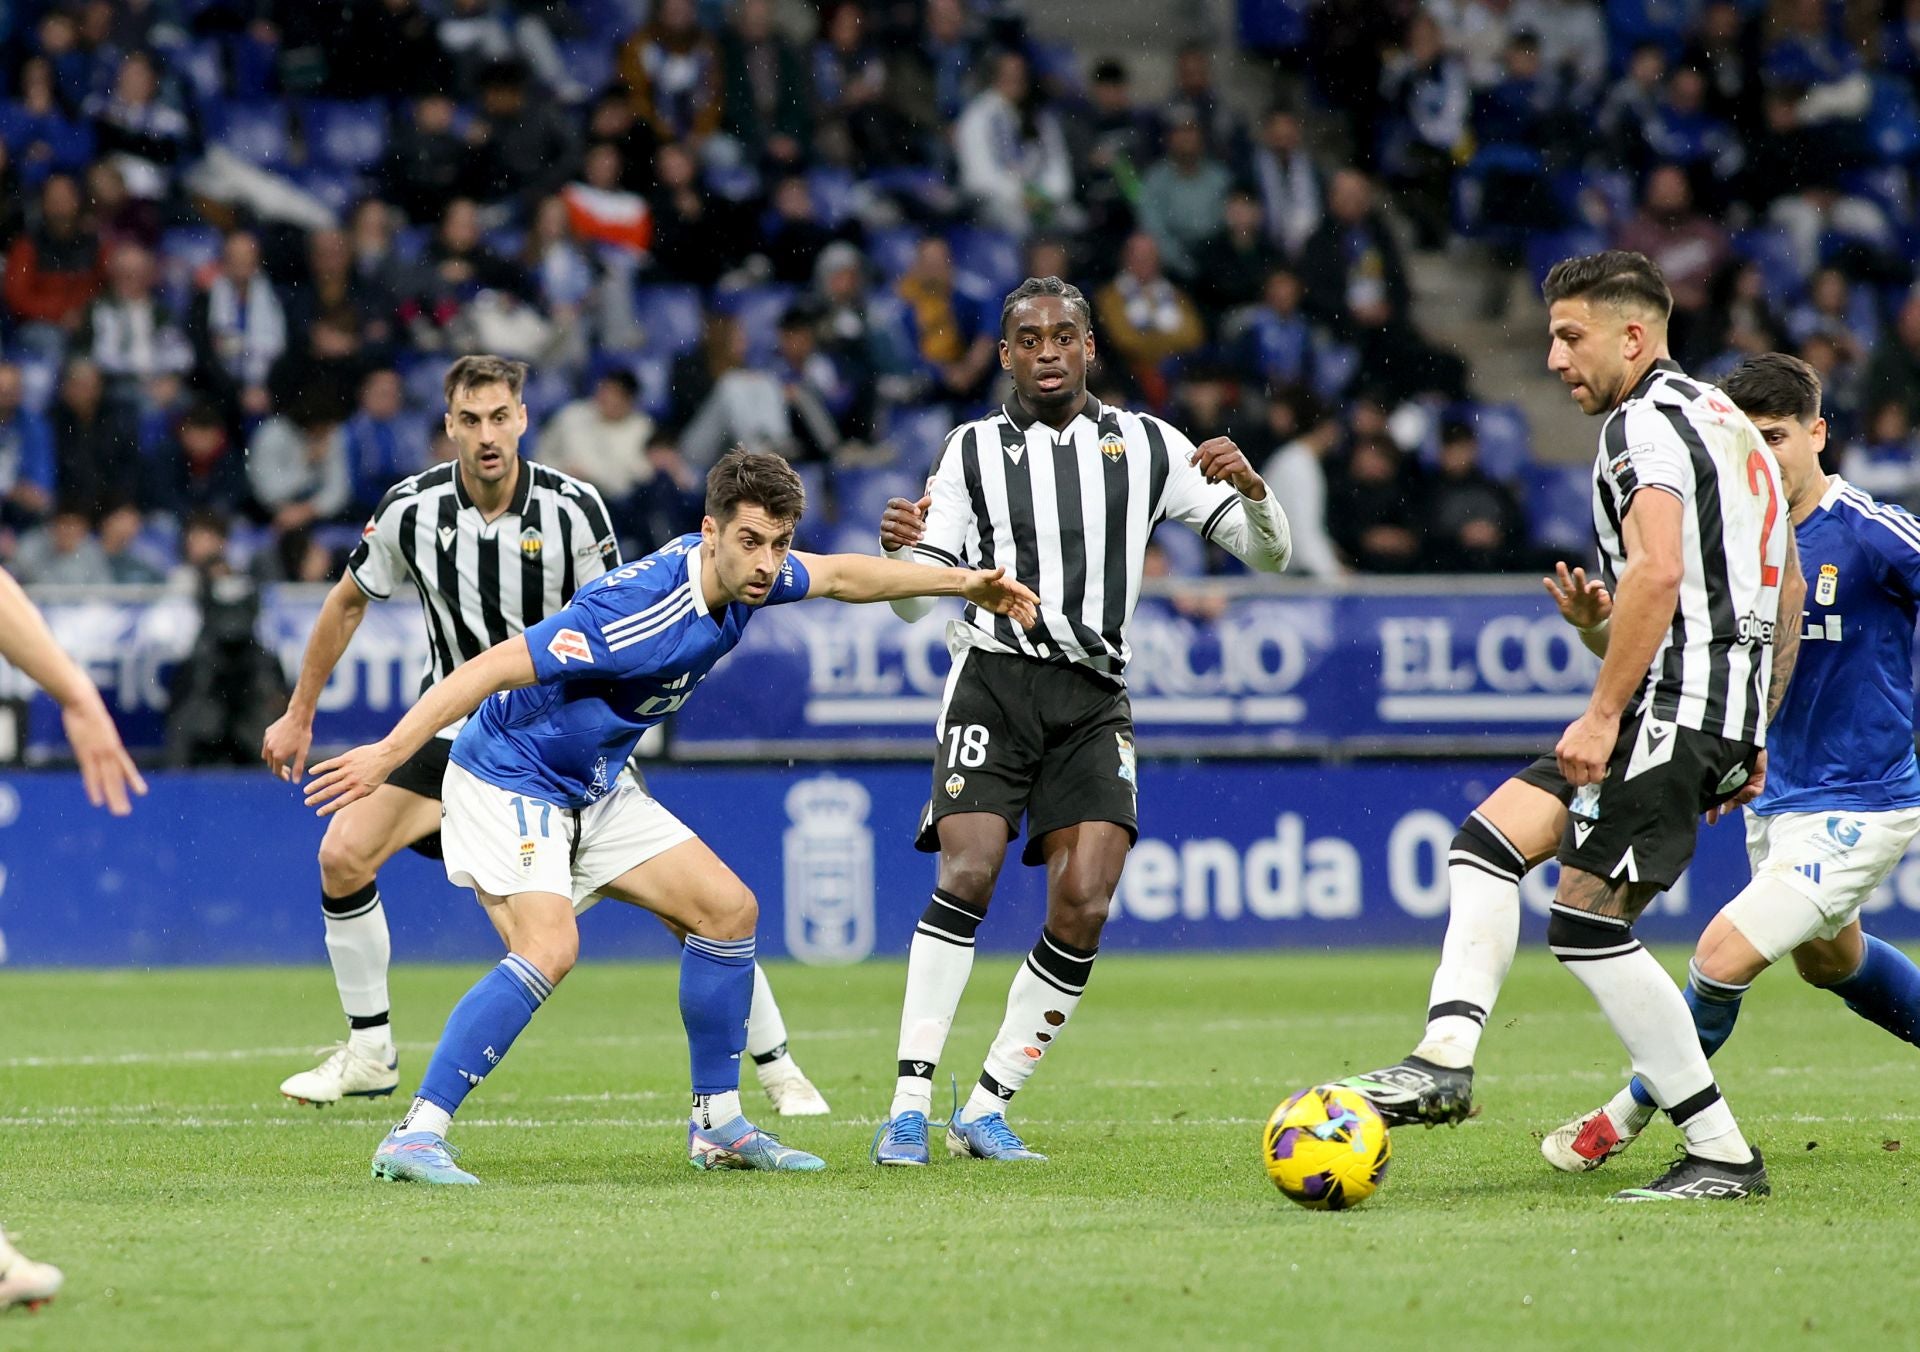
[918, 432]
[255, 132]
[1505, 441]
[1559, 506]
[758, 308]
[339, 189]
[1773, 251]
[989, 255]
[410, 242]
[863, 494]
[343, 134]
[1334, 367]
[833, 191]
[671, 319]
[891, 249]
[590, 62]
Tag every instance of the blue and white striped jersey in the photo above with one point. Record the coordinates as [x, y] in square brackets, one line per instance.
[628, 651]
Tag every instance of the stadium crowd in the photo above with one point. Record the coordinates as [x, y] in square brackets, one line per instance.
[243, 238]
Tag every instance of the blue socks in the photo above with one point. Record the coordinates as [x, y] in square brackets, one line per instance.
[483, 1025]
[1715, 1006]
[1885, 989]
[716, 996]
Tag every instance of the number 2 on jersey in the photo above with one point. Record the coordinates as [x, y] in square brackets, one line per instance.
[1758, 478]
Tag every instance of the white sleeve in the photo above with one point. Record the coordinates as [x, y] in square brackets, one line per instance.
[1641, 450]
[944, 543]
[1299, 485]
[1256, 533]
[376, 564]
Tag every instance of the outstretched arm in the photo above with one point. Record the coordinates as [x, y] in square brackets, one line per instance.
[285, 745]
[105, 767]
[349, 777]
[863, 578]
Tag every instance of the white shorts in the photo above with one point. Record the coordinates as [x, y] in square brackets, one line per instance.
[500, 842]
[1832, 860]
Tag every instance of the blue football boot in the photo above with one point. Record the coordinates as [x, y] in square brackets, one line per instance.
[418, 1157]
[741, 1145]
[901, 1140]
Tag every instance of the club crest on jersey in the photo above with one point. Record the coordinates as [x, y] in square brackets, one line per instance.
[955, 783]
[1828, 587]
[526, 856]
[1112, 446]
[570, 644]
[530, 543]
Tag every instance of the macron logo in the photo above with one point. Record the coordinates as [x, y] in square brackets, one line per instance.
[570, 643]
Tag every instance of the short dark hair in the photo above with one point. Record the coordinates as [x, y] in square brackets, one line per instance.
[1617, 278]
[471, 372]
[1775, 385]
[757, 479]
[1047, 286]
[622, 377]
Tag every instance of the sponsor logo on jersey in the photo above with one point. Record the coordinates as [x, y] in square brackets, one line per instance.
[570, 644]
[1733, 779]
[531, 543]
[955, 783]
[1753, 629]
[446, 537]
[1113, 447]
[367, 530]
[1846, 830]
[1828, 587]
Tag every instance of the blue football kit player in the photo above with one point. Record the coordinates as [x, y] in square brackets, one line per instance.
[1841, 801]
[541, 815]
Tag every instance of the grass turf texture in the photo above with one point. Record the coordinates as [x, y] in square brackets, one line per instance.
[144, 1149]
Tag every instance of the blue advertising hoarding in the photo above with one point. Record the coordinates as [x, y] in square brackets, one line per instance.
[217, 867]
[1299, 671]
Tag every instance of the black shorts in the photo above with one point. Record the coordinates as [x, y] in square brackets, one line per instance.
[1046, 740]
[421, 773]
[1640, 823]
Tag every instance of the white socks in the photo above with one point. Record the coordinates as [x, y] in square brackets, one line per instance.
[1045, 992]
[939, 961]
[360, 950]
[424, 1116]
[1483, 930]
[767, 1032]
[716, 1110]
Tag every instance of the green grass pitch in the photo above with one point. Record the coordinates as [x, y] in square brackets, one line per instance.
[144, 1149]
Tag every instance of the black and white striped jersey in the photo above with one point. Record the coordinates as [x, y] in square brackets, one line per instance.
[1069, 513]
[483, 581]
[1685, 437]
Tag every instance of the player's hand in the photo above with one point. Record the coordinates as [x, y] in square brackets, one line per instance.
[1585, 747]
[106, 769]
[349, 777]
[1003, 595]
[1756, 785]
[903, 523]
[1583, 602]
[1219, 461]
[285, 746]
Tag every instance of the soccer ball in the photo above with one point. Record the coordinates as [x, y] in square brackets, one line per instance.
[1326, 1148]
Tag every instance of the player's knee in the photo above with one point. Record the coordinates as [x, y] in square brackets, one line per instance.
[348, 861]
[552, 948]
[1575, 936]
[1822, 965]
[970, 877]
[730, 913]
[1077, 911]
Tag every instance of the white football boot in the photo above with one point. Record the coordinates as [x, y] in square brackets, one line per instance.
[789, 1090]
[23, 1281]
[345, 1073]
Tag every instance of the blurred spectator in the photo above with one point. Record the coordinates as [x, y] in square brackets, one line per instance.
[239, 328]
[39, 130]
[811, 378]
[379, 272]
[1479, 31]
[145, 136]
[459, 266]
[1742, 320]
[794, 237]
[1357, 285]
[1633, 102]
[332, 286]
[62, 553]
[1830, 309]
[671, 70]
[1183, 198]
[228, 687]
[749, 408]
[426, 160]
[855, 124]
[696, 236]
[119, 530]
[1206, 403]
[1012, 155]
[1370, 508]
[1114, 142]
[1725, 50]
[1517, 121]
[1223, 135]
[1886, 460]
[929, 82]
[1232, 267]
[385, 442]
[1277, 344]
[54, 268]
[567, 281]
[1297, 476]
[861, 352]
[387, 49]
[522, 148]
[95, 445]
[1684, 131]
[1812, 58]
[128, 333]
[297, 467]
[1841, 384]
[613, 122]
[118, 216]
[1428, 98]
[13, 215]
[299, 556]
[1145, 319]
[1691, 249]
[953, 329]
[608, 441]
[1471, 522]
[1893, 372]
[325, 368]
[26, 455]
[602, 210]
[199, 468]
[764, 77]
[1573, 43]
[1288, 182]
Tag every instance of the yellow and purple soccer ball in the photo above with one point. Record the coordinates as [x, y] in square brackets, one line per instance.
[1326, 1148]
